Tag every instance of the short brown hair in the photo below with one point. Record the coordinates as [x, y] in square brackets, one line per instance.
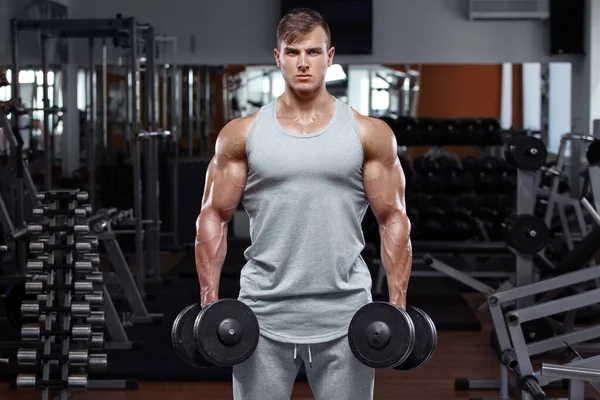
[300, 22]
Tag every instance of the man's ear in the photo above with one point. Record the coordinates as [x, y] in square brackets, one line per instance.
[276, 55]
[330, 54]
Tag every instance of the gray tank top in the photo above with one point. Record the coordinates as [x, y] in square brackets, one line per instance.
[305, 277]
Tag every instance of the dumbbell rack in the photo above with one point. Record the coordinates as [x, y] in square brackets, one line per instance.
[60, 342]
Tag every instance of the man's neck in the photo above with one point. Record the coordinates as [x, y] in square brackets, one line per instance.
[307, 102]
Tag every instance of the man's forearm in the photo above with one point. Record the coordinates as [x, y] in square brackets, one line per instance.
[210, 251]
[396, 255]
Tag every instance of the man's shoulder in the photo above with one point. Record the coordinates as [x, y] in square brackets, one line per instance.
[234, 134]
[372, 130]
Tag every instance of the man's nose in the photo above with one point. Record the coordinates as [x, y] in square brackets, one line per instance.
[302, 64]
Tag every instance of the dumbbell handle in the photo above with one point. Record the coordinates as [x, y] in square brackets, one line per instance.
[4, 361]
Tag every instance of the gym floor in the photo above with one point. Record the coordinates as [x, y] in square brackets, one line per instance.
[460, 354]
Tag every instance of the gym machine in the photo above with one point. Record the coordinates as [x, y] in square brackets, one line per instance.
[152, 195]
[15, 229]
[517, 346]
[516, 349]
[575, 373]
[556, 201]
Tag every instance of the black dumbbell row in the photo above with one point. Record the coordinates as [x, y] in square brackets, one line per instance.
[411, 131]
[444, 174]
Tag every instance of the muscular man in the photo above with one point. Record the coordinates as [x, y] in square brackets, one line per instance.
[305, 167]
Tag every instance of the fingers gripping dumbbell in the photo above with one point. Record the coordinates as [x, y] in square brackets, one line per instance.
[224, 333]
[76, 358]
[383, 335]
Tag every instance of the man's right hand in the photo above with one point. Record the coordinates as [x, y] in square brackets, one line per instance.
[208, 297]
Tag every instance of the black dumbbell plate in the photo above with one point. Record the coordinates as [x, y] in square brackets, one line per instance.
[381, 335]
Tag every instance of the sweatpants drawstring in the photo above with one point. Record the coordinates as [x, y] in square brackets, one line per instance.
[309, 354]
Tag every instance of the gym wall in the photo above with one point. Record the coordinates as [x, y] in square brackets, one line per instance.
[404, 31]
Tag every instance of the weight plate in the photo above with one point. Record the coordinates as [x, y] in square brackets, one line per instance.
[593, 153]
[526, 153]
[182, 337]
[226, 332]
[381, 335]
[425, 340]
[525, 233]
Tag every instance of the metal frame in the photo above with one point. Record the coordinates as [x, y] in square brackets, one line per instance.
[141, 40]
[509, 327]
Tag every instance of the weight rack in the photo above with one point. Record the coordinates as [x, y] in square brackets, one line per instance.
[66, 302]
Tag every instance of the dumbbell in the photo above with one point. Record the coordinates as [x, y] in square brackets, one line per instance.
[78, 287]
[31, 381]
[42, 247]
[94, 258]
[224, 333]
[95, 277]
[95, 298]
[63, 195]
[39, 266]
[76, 358]
[80, 212]
[32, 308]
[383, 335]
[45, 228]
[35, 332]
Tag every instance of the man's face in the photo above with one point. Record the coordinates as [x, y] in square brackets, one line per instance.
[304, 64]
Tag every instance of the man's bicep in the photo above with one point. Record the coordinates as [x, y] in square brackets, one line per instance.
[384, 186]
[225, 177]
[224, 187]
[383, 176]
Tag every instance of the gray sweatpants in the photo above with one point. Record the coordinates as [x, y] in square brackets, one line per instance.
[332, 371]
